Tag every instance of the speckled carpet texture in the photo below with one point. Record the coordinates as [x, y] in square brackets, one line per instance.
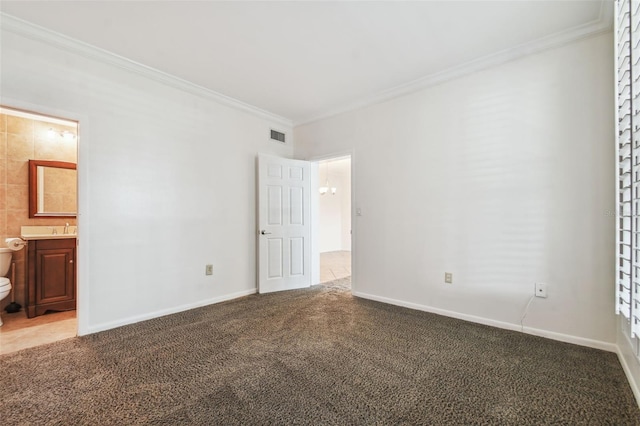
[312, 357]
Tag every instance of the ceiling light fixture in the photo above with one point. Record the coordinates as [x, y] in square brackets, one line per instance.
[65, 134]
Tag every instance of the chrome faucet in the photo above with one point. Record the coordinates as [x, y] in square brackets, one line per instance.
[66, 228]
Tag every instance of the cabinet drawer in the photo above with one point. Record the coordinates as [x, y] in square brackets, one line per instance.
[54, 244]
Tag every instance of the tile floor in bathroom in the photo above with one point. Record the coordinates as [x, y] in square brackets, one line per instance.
[20, 332]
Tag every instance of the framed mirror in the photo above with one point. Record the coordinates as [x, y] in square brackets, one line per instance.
[52, 189]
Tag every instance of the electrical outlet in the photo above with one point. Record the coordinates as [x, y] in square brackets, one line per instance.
[448, 278]
[541, 290]
[208, 270]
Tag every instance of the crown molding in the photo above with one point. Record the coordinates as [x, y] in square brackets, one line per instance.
[35, 32]
[603, 24]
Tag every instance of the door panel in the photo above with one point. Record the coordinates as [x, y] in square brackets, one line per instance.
[296, 208]
[284, 224]
[274, 247]
[275, 205]
[296, 173]
[296, 252]
[54, 280]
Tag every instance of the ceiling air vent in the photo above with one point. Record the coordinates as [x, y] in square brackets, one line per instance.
[277, 136]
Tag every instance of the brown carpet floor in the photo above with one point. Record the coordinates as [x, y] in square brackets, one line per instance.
[316, 356]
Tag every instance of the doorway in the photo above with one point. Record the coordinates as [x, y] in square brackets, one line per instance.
[53, 143]
[333, 236]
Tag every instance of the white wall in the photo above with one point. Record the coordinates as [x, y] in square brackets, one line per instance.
[503, 177]
[335, 210]
[167, 183]
[330, 221]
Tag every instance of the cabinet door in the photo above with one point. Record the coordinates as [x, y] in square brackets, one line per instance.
[55, 277]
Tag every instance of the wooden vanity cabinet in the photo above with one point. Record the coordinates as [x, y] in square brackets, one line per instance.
[51, 276]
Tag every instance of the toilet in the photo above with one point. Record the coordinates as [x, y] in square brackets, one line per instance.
[5, 284]
[5, 263]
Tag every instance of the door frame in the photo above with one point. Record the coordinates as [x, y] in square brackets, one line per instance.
[315, 214]
[82, 218]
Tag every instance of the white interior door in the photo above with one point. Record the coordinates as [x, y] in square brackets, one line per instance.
[284, 225]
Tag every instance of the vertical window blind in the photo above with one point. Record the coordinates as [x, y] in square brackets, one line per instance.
[627, 20]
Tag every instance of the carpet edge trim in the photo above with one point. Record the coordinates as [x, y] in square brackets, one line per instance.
[566, 338]
[160, 313]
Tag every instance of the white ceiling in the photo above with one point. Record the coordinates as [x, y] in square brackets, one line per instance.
[302, 60]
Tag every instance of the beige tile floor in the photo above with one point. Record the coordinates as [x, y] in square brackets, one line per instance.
[334, 265]
[20, 332]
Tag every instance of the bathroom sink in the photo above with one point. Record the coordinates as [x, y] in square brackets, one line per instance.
[47, 232]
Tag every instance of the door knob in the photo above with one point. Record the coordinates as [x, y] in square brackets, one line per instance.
[263, 232]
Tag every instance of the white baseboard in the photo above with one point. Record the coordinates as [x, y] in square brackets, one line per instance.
[163, 312]
[606, 346]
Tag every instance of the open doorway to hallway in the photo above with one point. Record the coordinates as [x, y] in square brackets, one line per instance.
[334, 218]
